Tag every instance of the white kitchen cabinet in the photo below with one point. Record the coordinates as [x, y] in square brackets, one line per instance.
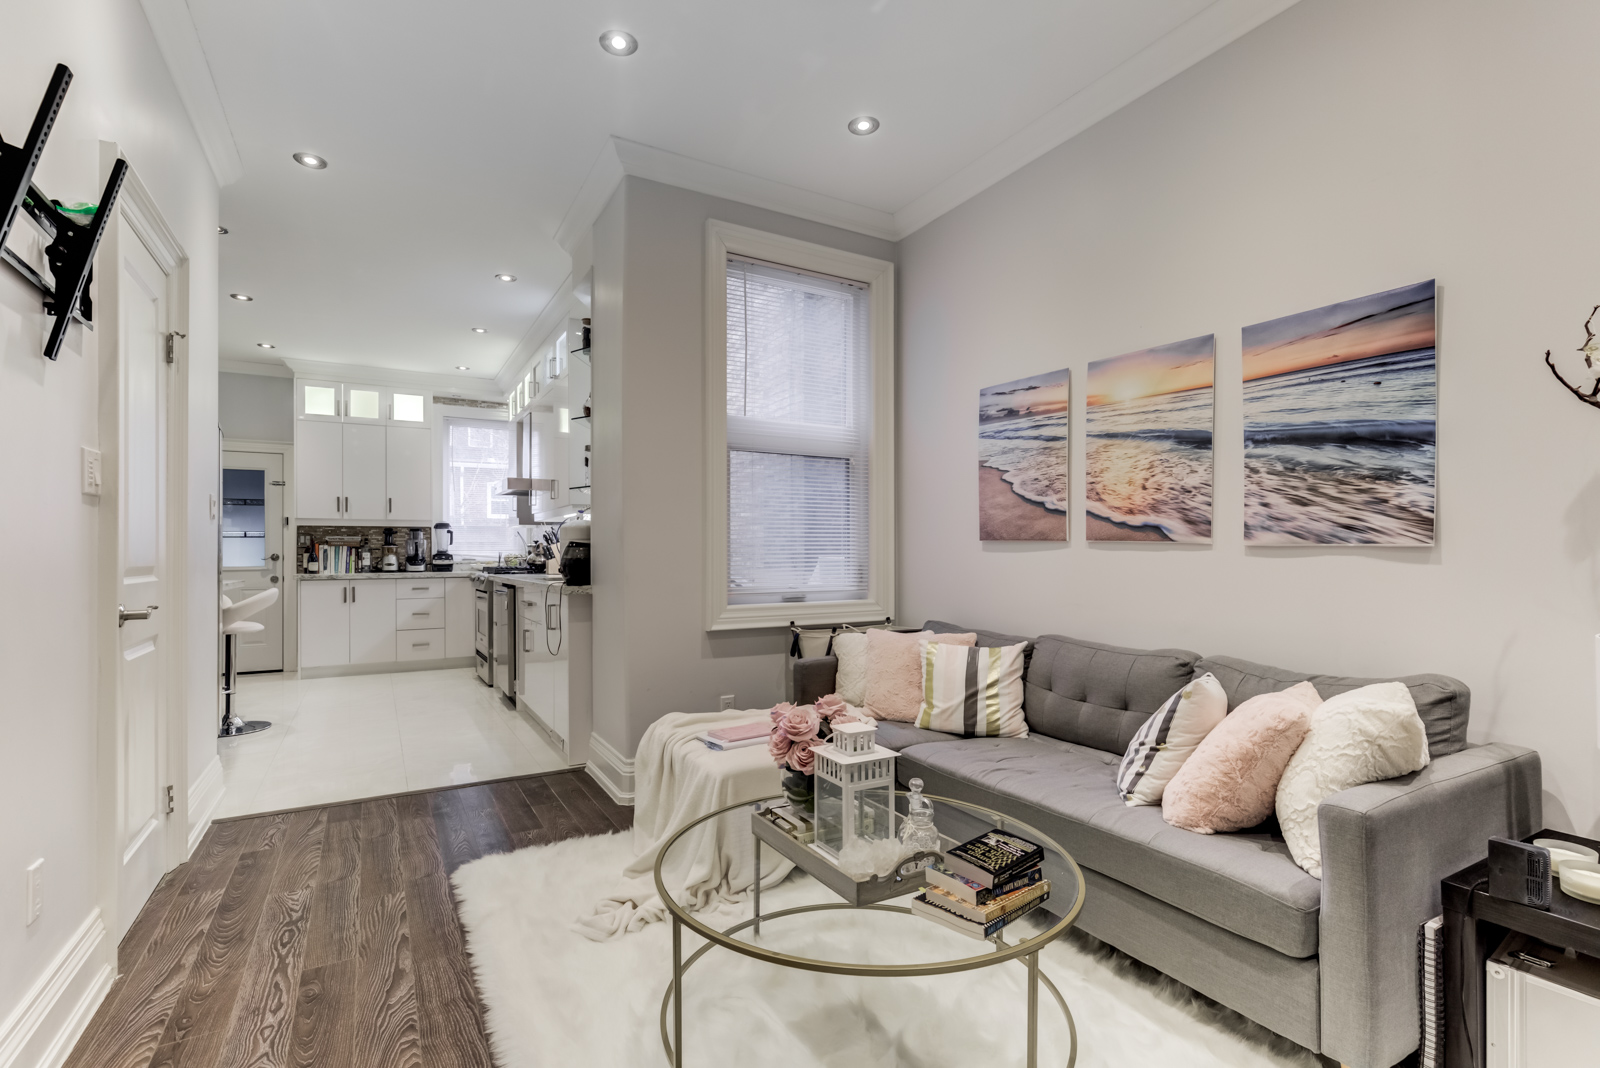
[409, 408]
[372, 630]
[459, 637]
[365, 404]
[422, 613]
[409, 471]
[324, 624]
[365, 473]
[420, 644]
[316, 401]
[319, 470]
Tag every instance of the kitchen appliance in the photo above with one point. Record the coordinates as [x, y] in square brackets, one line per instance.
[443, 538]
[391, 558]
[417, 550]
[493, 605]
[575, 554]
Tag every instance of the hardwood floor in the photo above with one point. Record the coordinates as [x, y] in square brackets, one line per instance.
[327, 936]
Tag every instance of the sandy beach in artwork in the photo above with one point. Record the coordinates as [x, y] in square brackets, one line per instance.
[1104, 530]
[1004, 516]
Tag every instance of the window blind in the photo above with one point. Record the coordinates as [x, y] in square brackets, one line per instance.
[477, 456]
[799, 430]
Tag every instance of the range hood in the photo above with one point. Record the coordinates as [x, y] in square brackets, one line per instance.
[525, 487]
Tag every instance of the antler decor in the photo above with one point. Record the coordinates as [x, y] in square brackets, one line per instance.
[1589, 348]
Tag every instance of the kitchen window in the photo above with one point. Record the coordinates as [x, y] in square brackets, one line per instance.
[477, 456]
[800, 374]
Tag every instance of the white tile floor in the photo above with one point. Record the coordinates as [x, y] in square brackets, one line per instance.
[366, 735]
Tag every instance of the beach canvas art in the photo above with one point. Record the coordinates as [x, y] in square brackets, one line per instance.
[1148, 459]
[1024, 437]
[1339, 414]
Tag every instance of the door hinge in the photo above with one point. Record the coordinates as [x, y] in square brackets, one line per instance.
[170, 336]
[170, 803]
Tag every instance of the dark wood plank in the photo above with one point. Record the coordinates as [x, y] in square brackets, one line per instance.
[557, 818]
[324, 1017]
[262, 1025]
[621, 816]
[387, 1029]
[584, 810]
[419, 839]
[145, 926]
[213, 983]
[128, 1029]
[334, 933]
[379, 817]
[469, 826]
[515, 812]
[450, 1013]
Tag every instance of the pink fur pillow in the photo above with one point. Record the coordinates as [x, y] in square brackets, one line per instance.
[894, 671]
[1231, 780]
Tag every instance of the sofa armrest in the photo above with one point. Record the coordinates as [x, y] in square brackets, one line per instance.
[1385, 848]
[812, 678]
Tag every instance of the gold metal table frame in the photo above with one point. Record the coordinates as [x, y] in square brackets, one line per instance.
[1027, 950]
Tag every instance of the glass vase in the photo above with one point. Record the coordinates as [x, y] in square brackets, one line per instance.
[800, 790]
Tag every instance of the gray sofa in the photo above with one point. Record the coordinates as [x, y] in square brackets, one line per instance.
[1329, 963]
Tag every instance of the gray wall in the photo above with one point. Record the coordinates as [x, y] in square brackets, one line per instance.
[652, 652]
[256, 407]
[1345, 147]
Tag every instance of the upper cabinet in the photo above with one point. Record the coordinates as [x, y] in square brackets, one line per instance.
[351, 402]
[409, 408]
[363, 454]
[318, 401]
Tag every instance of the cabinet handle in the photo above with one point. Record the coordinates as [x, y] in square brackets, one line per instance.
[415, 614]
[420, 645]
[352, 595]
[344, 595]
[336, 508]
[391, 506]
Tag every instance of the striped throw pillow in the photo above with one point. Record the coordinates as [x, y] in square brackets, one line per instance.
[972, 692]
[1168, 737]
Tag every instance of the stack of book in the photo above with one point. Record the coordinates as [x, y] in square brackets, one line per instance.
[737, 737]
[984, 884]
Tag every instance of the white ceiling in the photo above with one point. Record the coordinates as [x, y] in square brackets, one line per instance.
[460, 134]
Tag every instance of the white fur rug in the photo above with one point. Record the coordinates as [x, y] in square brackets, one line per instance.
[553, 997]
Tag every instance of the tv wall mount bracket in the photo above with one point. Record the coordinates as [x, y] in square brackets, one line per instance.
[70, 253]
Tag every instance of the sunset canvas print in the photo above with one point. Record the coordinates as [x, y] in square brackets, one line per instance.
[1024, 441]
[1339, 413]
[1149, 444]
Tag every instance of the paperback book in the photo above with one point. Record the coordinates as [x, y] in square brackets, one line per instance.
[972, 893]
[992, 857]
[994, 910]
[922, 907]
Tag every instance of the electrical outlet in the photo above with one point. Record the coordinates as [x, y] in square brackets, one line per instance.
[725, 702]
[91, 471]
[35, 891]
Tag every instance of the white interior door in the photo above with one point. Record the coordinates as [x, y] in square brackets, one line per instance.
[142, 577]
[252, 548]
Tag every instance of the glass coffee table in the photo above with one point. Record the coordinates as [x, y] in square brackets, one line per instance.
[882, 933]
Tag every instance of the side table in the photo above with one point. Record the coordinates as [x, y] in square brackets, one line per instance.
[1475, 924]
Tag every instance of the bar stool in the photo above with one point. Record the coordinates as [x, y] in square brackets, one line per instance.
[236, 621]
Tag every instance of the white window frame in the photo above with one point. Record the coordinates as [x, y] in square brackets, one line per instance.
[878, 275]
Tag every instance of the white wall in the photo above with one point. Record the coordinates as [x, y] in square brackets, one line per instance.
[1345, 147]
[652, 652]
[256, 407]
[48, 741]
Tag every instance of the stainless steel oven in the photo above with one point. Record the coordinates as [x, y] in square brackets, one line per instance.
[483, 627]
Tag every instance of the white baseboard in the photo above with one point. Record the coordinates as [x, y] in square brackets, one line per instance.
[386, 668]
[612, 770]
[42, 1030]
[205, 794]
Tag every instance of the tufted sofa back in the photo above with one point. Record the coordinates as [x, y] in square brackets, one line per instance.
[1099, 695]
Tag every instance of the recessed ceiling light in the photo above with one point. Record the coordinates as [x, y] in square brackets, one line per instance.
[460, 367]
[479, 330]
[241, 296]
[306, 159]
[222, 229]
[506, 277]
[265, 345]
[862, 125]
[619, 43]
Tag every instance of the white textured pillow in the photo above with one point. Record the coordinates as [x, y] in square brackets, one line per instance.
[1168, 737]
[1357, 737]
[851, 680]
[972, 692]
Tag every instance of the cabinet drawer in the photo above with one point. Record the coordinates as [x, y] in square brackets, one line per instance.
[420, 644]
[412, 588]
[422, 614]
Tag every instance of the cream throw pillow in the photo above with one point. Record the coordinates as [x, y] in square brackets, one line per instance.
[1168, 737]
[894, 671]
[1231, 780]
[1361, 736]
[976, 693]
[850, 682]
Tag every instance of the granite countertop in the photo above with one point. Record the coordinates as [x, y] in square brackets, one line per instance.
[331, 576]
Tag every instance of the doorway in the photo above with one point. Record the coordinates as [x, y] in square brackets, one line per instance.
[252, 549]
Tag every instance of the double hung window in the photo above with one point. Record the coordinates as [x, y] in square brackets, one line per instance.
[477, 456]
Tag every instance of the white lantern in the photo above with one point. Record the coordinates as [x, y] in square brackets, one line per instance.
[855, 789]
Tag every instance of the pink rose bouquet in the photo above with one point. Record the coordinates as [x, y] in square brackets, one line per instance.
[797, 729]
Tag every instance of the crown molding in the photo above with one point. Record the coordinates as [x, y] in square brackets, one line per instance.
[233, 365]
[557, 310]
[602, 180]
[1207, 32]
[186, 61]
[386, 376]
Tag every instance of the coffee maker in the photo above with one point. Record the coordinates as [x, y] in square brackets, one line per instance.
[417, 550]
[575, 553]
[443, 538]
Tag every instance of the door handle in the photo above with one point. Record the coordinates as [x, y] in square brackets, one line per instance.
[124, 615]
[274, 558]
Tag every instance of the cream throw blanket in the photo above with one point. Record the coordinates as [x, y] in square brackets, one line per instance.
[678, 780]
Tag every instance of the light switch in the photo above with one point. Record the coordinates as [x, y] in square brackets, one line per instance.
[35, 873]
[91, 471]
